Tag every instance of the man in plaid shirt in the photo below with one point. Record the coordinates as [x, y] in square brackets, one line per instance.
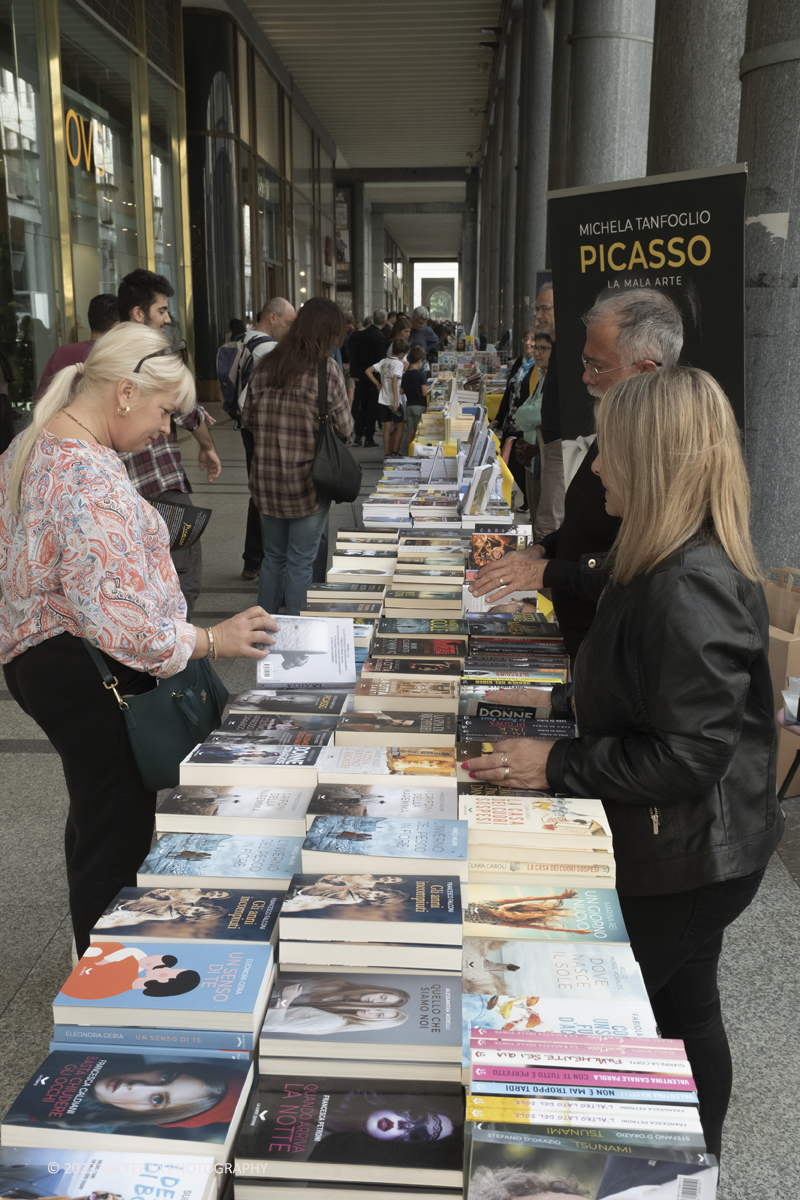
[157, 472]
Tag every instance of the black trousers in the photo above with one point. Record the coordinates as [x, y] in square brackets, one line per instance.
[677, 940]
[365, 408]
[110, 822]
[253, 538]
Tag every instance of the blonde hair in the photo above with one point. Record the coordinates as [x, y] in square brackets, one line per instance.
[671, 448]
[111, 359]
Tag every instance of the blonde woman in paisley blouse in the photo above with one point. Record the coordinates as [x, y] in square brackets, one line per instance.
[84, 556]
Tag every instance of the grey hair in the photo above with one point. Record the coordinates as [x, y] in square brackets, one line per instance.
[277, 304]
[421, 313]
[379, 316]
[546, 287]
[649, 323]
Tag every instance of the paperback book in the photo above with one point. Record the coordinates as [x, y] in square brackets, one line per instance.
[251, 810]
[136, 1037]
[494, 966]
[369, 592]
[292, 706]
[417, 958]
[361, 1017]
[252, 726]
[481, 729]
[384, 843]
[392, 799]
[178, 984]
[365, 1131]
[422, 627]
[90, 1100]
[433, 767]
[556, 822]
[551, 1013]
[240, 762]
[529, 913]
[398, 695]
[309, 650]
[219, 860]
[396, 729]
[210, 916]
[412, 907]
[454, 649]
[549, 1162]
[73, 1174]
[410, 668]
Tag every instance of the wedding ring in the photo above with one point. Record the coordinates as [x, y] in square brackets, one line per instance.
[507, 772]
[504, 760]
[501, 583]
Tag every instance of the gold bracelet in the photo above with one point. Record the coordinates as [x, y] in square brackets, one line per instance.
[212, 649]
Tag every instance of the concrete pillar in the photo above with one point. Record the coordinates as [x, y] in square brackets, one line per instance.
[376, 230]
[770, 71]
[532, 162]
[612, 56]
[362, 253]
[485, 247]
[559, 94]
[496, 216]
[469, 252]
[695, 96]
[509, 168]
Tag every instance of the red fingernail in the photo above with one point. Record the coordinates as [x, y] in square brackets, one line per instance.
[473, 774]
[465, 766]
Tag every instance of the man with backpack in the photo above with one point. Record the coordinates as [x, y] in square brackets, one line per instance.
[236, 361]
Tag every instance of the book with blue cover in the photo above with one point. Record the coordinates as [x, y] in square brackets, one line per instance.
[220, 860]
[176, 984]
[431, 845]
[96, 1100]
[366, 907]
[84, 1173]
[210, 915]
[126, 1038]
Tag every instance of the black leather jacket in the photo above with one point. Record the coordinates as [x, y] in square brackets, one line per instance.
[673, 700]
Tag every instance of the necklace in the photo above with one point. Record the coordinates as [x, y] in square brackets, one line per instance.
[67, 413]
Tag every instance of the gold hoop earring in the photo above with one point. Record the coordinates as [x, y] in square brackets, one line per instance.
[123, 412]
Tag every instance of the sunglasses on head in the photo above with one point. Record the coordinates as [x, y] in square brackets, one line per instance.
[179, 348]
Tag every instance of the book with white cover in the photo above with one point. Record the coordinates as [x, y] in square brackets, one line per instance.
[309, 650]
[381, 764]
[560, 821]
[280, 810]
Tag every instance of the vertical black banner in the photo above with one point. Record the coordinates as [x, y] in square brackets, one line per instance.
[682, 234]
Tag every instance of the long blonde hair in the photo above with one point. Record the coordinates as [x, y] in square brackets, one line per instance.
[112, 358]
[669, 445]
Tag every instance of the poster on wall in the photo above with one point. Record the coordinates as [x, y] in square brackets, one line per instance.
[682, 234]
[344, 258]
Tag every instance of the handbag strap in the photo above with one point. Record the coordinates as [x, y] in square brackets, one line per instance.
[110, 681]
[322, 390]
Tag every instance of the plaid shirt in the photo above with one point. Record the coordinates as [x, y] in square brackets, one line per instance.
[158, 468]
[285, 425]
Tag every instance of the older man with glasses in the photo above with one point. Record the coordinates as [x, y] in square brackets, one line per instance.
[625, 335]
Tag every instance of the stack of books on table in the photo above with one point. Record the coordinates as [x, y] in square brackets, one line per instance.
[388, 508]
[48, 1173]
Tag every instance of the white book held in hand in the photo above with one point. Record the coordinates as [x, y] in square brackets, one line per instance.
[310, 650]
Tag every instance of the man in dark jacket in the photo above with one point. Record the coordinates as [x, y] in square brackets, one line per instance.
[422, 335]
[626, 334]
[367, 349]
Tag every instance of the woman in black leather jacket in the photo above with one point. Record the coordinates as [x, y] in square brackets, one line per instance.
[673, 701]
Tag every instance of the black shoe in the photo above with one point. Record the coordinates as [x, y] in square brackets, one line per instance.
[250, 573]
[356, 441]
[370, 442]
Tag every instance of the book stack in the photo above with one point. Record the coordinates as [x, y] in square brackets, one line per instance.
[388, 508]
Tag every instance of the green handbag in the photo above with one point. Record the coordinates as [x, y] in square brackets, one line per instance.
[166, 723]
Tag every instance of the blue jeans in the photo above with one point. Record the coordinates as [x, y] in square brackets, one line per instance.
[290, 547]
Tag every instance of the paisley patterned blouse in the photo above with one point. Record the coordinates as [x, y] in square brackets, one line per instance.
[87, 555]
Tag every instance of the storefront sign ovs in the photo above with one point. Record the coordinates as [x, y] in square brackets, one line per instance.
[82, 148]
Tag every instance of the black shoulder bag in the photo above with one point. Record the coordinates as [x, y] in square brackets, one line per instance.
[335, 473]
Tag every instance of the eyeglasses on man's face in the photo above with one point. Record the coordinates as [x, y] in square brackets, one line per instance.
[178, 348]
[589, 366]
[543, 308]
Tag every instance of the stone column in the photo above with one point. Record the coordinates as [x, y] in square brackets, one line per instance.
[377, 228]
[532, 162]
[509, 168]
[485, 225]
[559, 94]
[695, 96]
[469, 252]
[496, 215]
[612, 54]
[770, 72]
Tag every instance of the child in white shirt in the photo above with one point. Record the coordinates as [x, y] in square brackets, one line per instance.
[391, 405]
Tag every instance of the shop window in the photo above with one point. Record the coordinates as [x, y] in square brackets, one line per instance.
[102, 166]
[161, 24]
[268, 125]
[269, 232]
[326, 185]
[165, 179]
[119, 14]
[305, 281]
[302, 158]
[28, 246]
